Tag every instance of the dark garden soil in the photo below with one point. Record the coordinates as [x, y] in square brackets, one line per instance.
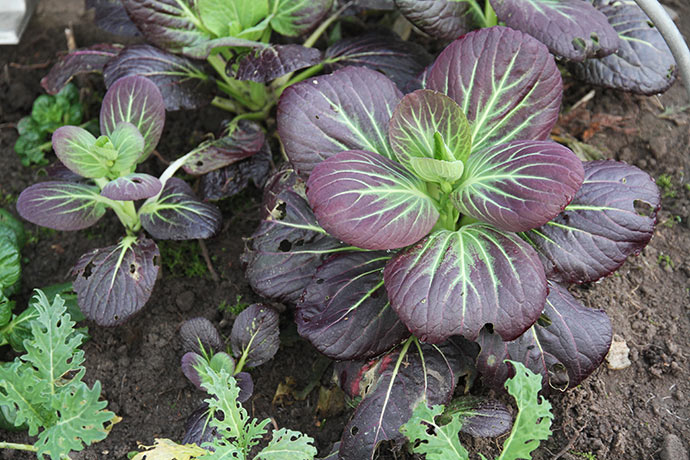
[641, 412]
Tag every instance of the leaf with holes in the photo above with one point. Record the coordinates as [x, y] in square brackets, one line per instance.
[346, 110]
[369, 201]
[442, 19]
[400, 60]
[271, 62]
[136, 186]
[453, 283]
[78, 62]
[570, 28]
[296, 17]
[284, 252]
[520, 185]
[177, 214]
[611, 217]
[255, 335]
[566, 344]
[114, 283]
[642, 64]
[138, 101]
[506, 83]
[232, 179]
[182, 83]
[480, 417]
[61, 205]
[344, 311]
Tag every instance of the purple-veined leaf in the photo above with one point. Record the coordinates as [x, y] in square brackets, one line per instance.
[246, 140]
[200, 331]
[506, 83]
[111, 16]
[136, 186]
[428, 124]
[346, 110]
[520, 185]
[115, 282]
[84, 60]
[573, 29]
[566, 344]
[188, 362]
[197, 429]
[393, 393]
[480, 417]
[296, 17]
[643, 63]
[285, 178]
[61, 205]
[246, 386]
[181, 83]
[271, 62]
[232, 179]
[135, 100]
[344, 311]
[58, 171]
[453, 283]
[401, 61]
[176, 214]
[369, 201]
[601, 226]
[129, 145]
[203, 49]
[442, 19]
[255, 333]
[284, 252]
[75, 148]
[169, 24]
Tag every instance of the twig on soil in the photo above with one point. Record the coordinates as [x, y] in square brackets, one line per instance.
[69, 36]
[570, 444]
[39, 65]
[8, 125]
[209, 265]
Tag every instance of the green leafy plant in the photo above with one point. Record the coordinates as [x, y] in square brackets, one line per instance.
[44, 387]
[48, 114]
[532, 423]
[234, 309]
[238, 433]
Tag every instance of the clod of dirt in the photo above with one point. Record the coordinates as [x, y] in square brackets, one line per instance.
[673, 448]
[617, 358]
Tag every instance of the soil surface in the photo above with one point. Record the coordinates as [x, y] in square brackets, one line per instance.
[641, 412]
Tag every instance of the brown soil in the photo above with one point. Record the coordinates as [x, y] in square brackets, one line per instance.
[637, 413]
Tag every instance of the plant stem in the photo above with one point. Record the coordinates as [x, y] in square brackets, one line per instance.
[226, 104]
[672, 35]
[303, 75]
[309, 42]
[490, 17]
[16, 446]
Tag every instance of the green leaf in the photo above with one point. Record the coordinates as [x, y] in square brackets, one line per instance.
[165, 449]
[288, 445]
[81, 152]
[19, 329]
[22, 389]
[433, 170]
[10, 262]
[229, 18]
[9, 221]
[129, 144]
[295, 17]
[431, 439]
[6, 307]
[533, 421]
[46, 112]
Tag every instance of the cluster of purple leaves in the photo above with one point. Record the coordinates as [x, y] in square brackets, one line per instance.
[474, 258]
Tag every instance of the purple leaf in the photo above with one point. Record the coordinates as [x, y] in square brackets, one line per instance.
[394, 393]
[274, 61]
[61, 205]
[179, 215]
[570, 28]
[286, 178]
[506, 82]
[84, 60]
[232, 179]
[520, 185]
[419, 119]
[197, 427]
[197, 331]
[246, 386]
[643, 63]
[255, 333]
[138, 101]
[401, 61]
[369, 201]
[136, 186]
[74, 147]
[453, 283]
[168, 24]
[602, 226]
[566, 344]
[442, 19]
[480, 417]
[284, 252]
[189, 361]
[114, 283]
[346, 110]
[181, 83]
[344, 311]
[246, 140]
[297, 17]
[111, 16]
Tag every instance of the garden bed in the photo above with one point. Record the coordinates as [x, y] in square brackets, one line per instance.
[637, 413]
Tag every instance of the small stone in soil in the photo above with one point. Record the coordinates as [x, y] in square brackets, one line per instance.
[673, 449]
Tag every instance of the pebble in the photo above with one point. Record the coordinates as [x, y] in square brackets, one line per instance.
[673, 448]
[617, 358]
